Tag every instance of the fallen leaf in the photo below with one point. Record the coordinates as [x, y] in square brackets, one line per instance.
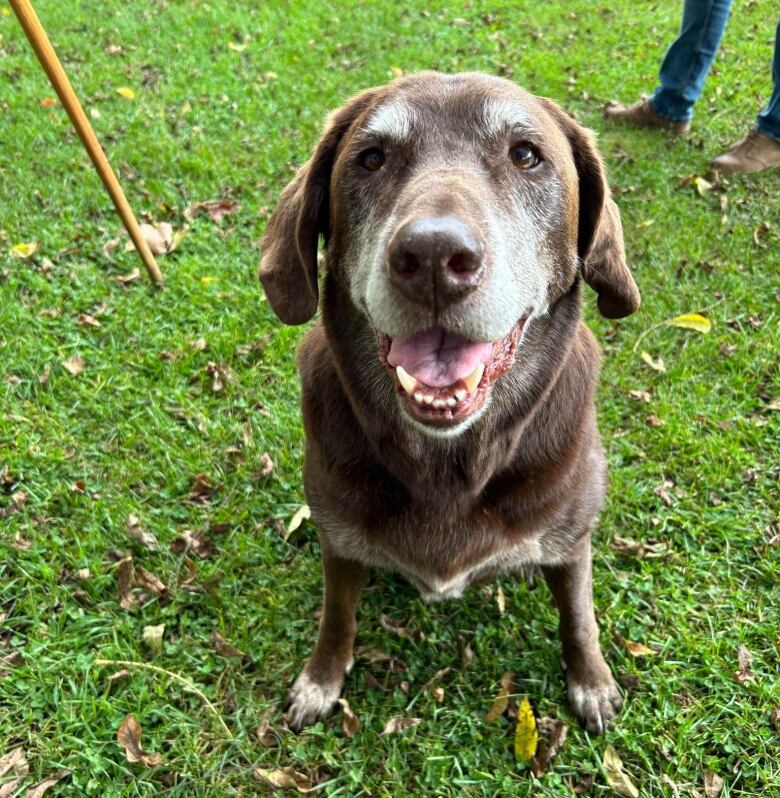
[126, 579]
[17, 501]
[641, 396]
[501, 701]
[224, 648]
[189, 541]
[526, 734]
[396, 72]
[713, 784]
[129, 737]
[285, 778]
[547, 750]
[399, 725]
[48, 102]
[585, 784]
[350, 723]
[760, 232]
[265, 732]
[657, 364]
[648, 549]
[655, 421]
[117, 677]
[126, 92]
[148, 581]
[143, 536]
[662, 491]
[9, 789]
[500, 600]
[702, 186]
[468, 656]
[635, 649]
[617, 779]
[744, 674]
[774, 718]
[152, 636]
[671, 784]
[691, 321]
[39, 789]
[438, 694]
[24, 251]
[15, 762]
[74, 365]
[161, 238]
[9, 661]
[300, 515]
[216, 209]
[202, 490]
[236, 47]
[394, 627]
[773, 404]
[85, 320]
[266, 464]
[126, 279]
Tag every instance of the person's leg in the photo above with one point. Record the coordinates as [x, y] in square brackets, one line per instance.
[688, 60]
[769, 119]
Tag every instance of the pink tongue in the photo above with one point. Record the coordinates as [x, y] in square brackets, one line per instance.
[438, 358]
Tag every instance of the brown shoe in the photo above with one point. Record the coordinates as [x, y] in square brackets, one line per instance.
[641, 114]
[753, 153]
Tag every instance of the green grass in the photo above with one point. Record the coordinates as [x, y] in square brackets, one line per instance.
[136, 428]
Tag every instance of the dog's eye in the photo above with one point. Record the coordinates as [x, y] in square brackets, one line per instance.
[523, 156]
[372, 159]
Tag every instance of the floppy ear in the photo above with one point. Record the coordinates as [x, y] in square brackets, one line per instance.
[288, 268]
[600, 232]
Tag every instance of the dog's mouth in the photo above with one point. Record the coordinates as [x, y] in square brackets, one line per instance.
[442, 378]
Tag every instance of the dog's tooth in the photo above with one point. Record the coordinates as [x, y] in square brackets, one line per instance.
[439, 404]
[428, 399]
[460, 394]
[452, 401]
[474, 378]
[418, 397]
[408, 382]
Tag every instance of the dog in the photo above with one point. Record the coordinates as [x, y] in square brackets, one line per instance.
[448, 383]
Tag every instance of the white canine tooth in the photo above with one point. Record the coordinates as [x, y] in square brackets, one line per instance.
[460, 394]
[428, 399]
[408, 382]
[439, 404]
[474, 378]
[452, 401]
[418, 397]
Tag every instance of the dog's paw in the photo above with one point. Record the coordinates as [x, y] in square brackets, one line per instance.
[595, 704]
[308, 701]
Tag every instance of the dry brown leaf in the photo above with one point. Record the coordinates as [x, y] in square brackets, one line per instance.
[285, 778]
[394, 627]
[126, 279]
[117, 677]
[744, 674]
[662, 491]
[468, 656]
[85, 320]
[143, 536]
[14, 762]
[585, 784]
[189, 541]
[9, 788]
[266, 464]
[617, 778]
[39, 789]
[9, 661]
[438, 694]
[265, 732]
[713, 784]
[74, 365]
[216, 209]
[350, 723]
[17, 501]
[774, 718]
[501, 702]
[647, 549]
[129, 737]
[152, 636]
[147, 580]
[547, 750]
[399, 725]
[126, 579]
[635, 649]
[161, 238]
[760, 232]
[224, 649]
[500, 600]
[202, 490]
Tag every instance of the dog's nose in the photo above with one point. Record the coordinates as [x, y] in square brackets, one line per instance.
[437, 259]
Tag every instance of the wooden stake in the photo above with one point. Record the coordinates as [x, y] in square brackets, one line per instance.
[59, 80]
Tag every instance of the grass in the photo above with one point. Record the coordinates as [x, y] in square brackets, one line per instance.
[133, 430]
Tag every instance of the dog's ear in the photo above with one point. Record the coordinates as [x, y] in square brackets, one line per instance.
[600, 232]
[288, 268]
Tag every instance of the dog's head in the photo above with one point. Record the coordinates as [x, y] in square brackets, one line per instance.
[454, 209]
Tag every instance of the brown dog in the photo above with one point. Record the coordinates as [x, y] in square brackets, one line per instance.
[448, 385]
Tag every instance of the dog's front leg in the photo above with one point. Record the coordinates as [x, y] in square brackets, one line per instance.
[318, 687]
[593, 695]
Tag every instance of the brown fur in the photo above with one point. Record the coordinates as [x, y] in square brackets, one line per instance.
[528, 477]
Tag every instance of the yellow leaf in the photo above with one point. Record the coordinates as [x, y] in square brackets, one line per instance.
[124, 91]
[691, 321]
[702, 186]
[6, 12]
[657, 364]
[526, 735]
[397, 71]
[48, 102]
[24, 251]
[301, 514]
[616, 778]
[639, 649]
[236, 47]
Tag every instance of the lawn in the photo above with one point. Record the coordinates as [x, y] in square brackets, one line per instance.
[184, 391]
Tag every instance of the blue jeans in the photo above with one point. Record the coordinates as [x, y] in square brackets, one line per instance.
[688, 61]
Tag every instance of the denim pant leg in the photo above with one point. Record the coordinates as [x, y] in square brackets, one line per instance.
[769, 118]
[688, 60]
